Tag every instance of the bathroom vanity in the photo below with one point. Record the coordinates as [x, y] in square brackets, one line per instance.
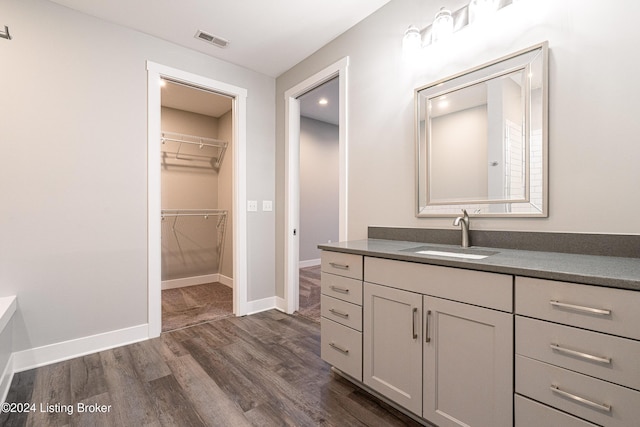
[485, 336]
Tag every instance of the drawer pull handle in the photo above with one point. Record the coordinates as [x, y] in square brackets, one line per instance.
[590, 310]
[338, 265]
[427, 337]
[339, 313]
[600, 406]
[340, 349]
[341, 290]
[414, 333]
[580, 354]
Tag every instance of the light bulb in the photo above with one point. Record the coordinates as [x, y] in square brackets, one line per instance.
[442, 27]
[412, 41]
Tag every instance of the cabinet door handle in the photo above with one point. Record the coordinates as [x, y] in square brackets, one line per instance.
[414, 332]
[580, 354]
[338, 265]
[341, 290]
[590, 310]
[426, 333]
[339, 348]
[339, 313]
[600, 406]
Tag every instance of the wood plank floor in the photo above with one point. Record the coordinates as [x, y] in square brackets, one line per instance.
[309, 303]
[191, 305]
[260, 370]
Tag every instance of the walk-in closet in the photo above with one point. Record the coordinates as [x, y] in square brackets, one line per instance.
[196, 182]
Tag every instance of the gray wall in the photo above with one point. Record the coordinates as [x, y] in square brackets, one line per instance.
[460, 137]
[593, 145]
[319, 176]
[73, 180]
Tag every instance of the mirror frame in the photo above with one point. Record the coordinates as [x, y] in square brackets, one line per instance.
[520, 60]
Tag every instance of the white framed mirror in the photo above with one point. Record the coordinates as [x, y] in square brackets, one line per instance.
[481, 139]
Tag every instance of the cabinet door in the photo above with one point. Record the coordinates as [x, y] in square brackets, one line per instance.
[468, 365]
[392, 344]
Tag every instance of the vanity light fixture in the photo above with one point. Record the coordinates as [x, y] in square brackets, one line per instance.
[442, 27]
[412, 40]
[482, 9]
[446, 23]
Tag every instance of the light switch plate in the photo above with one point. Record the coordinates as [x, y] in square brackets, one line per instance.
[267, 205]
[252, 205]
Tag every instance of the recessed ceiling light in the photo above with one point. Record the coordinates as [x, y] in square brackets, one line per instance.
[323, 101]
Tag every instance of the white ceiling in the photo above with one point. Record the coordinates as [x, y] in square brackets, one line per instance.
[267, 36]
[329, 113]
[186, 98]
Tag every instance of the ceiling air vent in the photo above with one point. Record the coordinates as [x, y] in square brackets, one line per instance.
[210, 38]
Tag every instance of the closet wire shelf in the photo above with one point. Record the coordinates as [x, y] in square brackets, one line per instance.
[205, 213]
[209, 149]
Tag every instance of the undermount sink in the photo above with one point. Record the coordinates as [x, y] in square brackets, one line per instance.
[465, 253]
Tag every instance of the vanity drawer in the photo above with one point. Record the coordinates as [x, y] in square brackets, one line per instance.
[341, 287]
[342, 312]
[614, 311]
[533, 414]
[603, 356]
[490, 290]
[348, 265]
[341, 347]
[577, 394]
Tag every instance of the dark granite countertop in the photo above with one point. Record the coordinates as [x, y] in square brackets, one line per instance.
[613, 272]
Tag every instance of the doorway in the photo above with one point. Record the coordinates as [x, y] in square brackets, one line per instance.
[319, 187]
[292, 173]
[236, 227]
[196, 200]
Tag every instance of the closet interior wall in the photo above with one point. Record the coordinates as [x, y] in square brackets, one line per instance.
[191, 245]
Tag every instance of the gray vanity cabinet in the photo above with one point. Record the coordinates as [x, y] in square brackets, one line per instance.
[341, 310]
[577, 350]
[441, 335]
[392, 344]
[468, 362]
[437, 341]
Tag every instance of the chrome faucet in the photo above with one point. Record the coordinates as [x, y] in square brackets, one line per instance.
[463, 221]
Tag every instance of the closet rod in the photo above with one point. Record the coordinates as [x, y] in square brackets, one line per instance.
[199, 140]
[193, 212]
[201, 144]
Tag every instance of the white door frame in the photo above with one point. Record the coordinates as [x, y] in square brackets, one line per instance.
[292, 172]
[154, 73]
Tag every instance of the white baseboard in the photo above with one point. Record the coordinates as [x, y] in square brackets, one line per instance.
[264, 304]
[48, 354]
[192, 281]
[5, 380]
[225, 280]
[309, 263]
[281, 304]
